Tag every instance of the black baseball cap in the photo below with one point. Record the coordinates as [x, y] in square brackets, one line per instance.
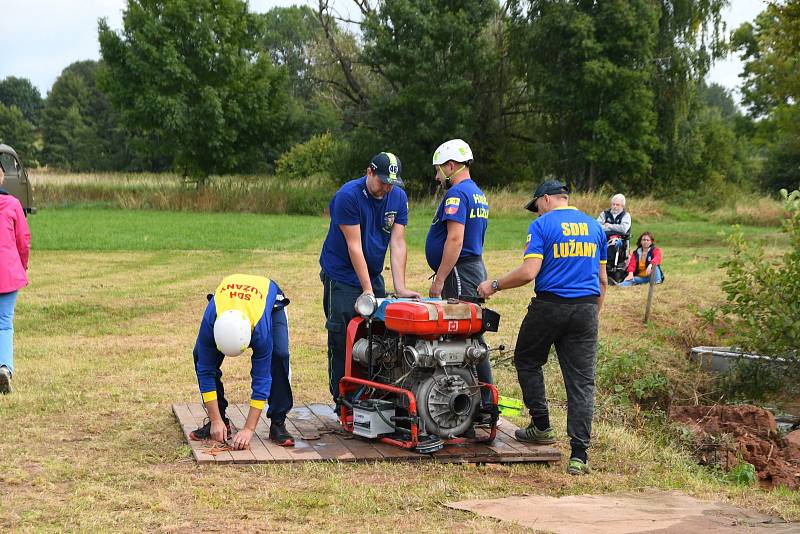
[388, 168]
[548, 187]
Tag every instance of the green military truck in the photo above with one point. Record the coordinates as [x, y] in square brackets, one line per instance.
[17, 182]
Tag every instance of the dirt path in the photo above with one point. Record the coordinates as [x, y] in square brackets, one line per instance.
[652, 512]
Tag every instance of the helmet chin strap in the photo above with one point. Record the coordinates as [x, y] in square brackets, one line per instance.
[447, 184]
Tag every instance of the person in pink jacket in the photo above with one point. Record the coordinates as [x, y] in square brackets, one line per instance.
[15, 246]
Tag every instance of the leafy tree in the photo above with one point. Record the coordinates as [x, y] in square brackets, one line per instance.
[437, 69]
[189, 78]
[771, 88]
[589, 65]
[22, 93]
[81, 132]
[424, 71]
[717, 96]
[289, 35]
[689, 39]
[712, 150]
[704, 154]
[18, 132]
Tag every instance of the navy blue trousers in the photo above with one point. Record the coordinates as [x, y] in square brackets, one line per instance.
[338, 303]
[280, 399]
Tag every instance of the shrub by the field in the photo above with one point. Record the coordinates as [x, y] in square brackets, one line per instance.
[631, 377]
[322, 154]
[762, 310]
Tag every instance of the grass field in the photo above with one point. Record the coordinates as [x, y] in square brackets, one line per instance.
[103, 348]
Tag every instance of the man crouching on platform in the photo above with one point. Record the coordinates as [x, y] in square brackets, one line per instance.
[245, 311]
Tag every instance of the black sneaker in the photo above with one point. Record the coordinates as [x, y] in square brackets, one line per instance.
[279, 434]
[531, 434]
[204, 432]
[578, 467]
[5, 380]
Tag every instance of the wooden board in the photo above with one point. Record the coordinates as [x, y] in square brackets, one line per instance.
[318, 437]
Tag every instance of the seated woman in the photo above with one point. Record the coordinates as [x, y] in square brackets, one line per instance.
[646, 256]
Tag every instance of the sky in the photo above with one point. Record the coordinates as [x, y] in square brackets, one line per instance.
[38, 38]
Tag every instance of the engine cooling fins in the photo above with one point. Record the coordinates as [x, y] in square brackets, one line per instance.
[430, 444]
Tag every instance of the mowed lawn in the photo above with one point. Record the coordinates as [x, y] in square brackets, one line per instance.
[103, 348]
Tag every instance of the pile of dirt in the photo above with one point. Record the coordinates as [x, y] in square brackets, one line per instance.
[721, 433]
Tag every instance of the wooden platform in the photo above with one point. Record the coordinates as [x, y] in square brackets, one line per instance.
[318, 438]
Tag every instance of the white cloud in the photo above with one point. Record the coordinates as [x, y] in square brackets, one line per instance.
[39, 38]
[726, 72]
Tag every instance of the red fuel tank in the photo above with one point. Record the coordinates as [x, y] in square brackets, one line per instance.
[434, 318]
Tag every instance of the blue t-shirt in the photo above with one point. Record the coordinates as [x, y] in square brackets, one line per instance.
[464, 203]
[351, 205]
[572, 246]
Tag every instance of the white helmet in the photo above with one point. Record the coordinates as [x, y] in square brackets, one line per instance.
[232, 332]
[454, 149]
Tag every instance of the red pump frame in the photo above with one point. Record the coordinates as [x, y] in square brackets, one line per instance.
[351, 383]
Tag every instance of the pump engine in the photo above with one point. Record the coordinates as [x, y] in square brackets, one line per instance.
[410, 372]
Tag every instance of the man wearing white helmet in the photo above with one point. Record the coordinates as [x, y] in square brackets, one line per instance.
[454, 246]
[245, 311]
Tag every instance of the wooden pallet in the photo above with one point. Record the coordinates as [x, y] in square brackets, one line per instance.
[317, 438]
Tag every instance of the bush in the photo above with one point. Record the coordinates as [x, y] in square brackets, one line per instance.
[753, 381]
[321, 154]
[629, 378]
[743, 474]
[762, 309]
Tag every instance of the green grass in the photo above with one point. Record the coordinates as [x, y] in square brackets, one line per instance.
[107, 230]
[112, 229]
[104, 335]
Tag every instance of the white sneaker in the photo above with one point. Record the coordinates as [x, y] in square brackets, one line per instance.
[5, 380]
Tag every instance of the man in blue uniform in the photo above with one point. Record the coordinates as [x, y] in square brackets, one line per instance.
[245, 311]
[454, 246]
[564, 253]
[368, 215]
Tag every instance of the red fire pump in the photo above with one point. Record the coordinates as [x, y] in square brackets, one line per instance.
[410, 372]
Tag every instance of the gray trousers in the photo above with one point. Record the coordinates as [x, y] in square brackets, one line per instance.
[463, 280]
[572, 328]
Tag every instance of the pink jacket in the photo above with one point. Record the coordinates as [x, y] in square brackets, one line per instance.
[15, 245]
[654, 257]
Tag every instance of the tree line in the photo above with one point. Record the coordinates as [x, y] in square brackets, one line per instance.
[593, 93]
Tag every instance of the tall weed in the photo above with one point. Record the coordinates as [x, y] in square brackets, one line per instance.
[310, 195]
[168, 192]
